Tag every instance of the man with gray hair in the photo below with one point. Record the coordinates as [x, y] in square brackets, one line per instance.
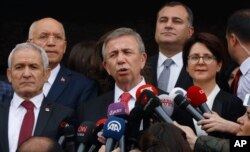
[28, 113]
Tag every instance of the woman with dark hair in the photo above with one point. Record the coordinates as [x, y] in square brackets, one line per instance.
[163, 137]
[203, 57]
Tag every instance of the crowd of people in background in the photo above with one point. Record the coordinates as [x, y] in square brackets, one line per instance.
[44, 101]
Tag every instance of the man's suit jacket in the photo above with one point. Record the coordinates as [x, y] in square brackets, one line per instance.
[48, 121]
[96, 109]
[184, 80]
[71, 88]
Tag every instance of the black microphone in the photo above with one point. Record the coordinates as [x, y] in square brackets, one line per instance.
[85, 135]
[95, 143]
[69, 133]
[67, 122]
[183, 103]
[152, 104]
[133, 128]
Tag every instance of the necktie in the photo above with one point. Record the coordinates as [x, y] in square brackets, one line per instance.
[236, 82]
[164, 76]
[28, 122]
[124, 99]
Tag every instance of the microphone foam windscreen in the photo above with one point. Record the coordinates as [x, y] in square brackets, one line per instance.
[114, 128]
[115, 109]
[196, 96]
[148, 87]
[85, 131]
[167, 103]
[176, 91]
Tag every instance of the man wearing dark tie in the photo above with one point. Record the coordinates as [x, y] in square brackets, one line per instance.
[64, 86]
[28, 113]
[238, 40]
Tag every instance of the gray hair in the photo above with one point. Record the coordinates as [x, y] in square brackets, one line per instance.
[27, 45]
[123, 32]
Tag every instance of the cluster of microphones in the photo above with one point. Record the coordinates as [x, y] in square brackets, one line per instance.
[122, 129]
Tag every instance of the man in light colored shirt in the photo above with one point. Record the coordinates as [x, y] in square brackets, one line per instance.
[174, 25]
[238, 40]
[27, 72]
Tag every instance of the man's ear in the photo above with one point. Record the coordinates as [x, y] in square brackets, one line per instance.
[9, 75]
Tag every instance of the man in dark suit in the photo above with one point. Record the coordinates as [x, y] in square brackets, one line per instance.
[63, 86]
[28, 113]
[6, 91]
[173, 28]
[124, 58]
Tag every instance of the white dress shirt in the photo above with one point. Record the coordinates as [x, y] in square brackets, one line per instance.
[244, 82]
[47, 85]
[175, 69]
[132, 92]
[16, 115]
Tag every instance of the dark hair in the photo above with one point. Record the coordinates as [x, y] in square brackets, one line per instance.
[79, 56]
[239, 23]
[163, 137]
[212, 42]
[175, 3]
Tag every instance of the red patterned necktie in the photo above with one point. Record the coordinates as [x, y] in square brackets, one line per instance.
[124, 98]
[236, 82]
[28, 122]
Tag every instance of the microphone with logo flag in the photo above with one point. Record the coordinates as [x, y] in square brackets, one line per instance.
[113, 130]
[198, 98]
[117, 109]
[85, 135]
[167, 103]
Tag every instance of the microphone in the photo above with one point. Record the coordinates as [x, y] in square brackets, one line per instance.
[182, 102]
[69, 133]
[143, 87]
[177, 90]
[152, 104]
[95, 143]
[85, 135]
[67, 122]
[167, 103]
[117, 109]
[113, 130]
[133, 127]
[198, 98]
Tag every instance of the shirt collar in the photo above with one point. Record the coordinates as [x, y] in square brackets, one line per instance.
[245, 66]
[53, 74]
[37, 100]
[132, 92]
[177, 58]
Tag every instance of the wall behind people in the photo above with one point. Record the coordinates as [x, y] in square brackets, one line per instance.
[84, 22]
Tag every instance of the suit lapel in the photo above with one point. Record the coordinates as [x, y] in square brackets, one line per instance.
[61, 81]
[46, 111]
[4, 116]
[153, 64]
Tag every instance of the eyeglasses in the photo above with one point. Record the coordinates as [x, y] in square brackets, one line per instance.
[46, 37]
[208, 59]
